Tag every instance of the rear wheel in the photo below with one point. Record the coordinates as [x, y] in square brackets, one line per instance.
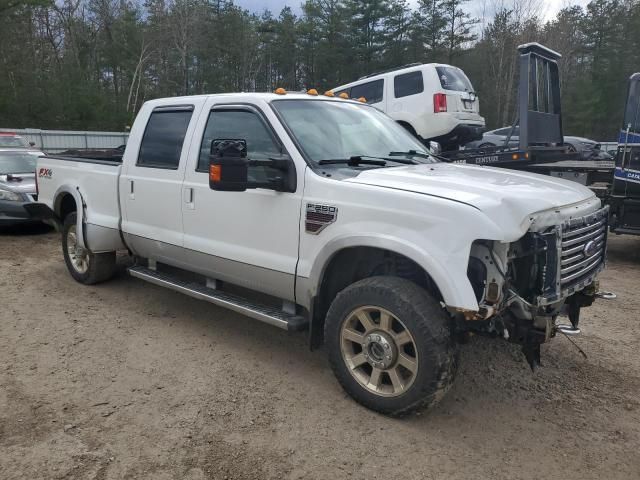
[390, 345]
[83, 265]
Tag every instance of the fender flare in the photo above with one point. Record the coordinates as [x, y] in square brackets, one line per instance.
[454, 294]
[80, 209]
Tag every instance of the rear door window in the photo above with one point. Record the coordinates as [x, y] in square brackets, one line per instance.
[163, 137]
[408, 84]
[371, 91]
[452, 78]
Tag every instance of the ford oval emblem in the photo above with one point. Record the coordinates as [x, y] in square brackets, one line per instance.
[590, 248]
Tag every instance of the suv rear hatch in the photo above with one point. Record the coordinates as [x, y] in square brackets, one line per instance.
[461, 98]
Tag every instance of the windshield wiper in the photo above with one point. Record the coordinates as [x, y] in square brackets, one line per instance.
[353, 161]
[410, 153]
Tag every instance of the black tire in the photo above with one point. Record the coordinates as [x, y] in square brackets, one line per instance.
[99, 266]
[428, 324]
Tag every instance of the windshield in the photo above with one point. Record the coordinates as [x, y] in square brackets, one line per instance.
[631, 118]
[12, 141]
[452, 78]
[340, 130]
[17, 162]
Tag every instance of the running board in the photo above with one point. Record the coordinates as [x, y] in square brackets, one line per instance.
[264, 313]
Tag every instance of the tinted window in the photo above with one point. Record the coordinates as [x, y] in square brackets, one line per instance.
[240, 124]
[408, 84]
[452, 78]
[372, 91]
[163, 138]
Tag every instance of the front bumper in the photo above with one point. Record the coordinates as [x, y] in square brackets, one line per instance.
[523, 287]
[14, 213]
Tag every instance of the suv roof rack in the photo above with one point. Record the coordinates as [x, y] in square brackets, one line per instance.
[392, 69]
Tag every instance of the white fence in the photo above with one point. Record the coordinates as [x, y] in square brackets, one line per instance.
[54, 141]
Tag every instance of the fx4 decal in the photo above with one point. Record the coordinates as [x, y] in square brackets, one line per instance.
[45, 173]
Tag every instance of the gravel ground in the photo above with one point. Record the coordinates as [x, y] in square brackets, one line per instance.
[127, 380]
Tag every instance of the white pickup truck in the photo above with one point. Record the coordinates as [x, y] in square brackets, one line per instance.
[313, 212]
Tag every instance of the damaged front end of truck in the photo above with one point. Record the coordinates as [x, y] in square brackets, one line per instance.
[523, 287]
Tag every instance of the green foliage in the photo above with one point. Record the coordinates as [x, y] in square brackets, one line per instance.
[90, 64]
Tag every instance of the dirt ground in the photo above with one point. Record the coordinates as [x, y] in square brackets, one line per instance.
[127, 380]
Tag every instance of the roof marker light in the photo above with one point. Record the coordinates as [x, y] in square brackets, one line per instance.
[344, 95]
[329, 93]
[280, 91]
[312, 91]
[362, 100]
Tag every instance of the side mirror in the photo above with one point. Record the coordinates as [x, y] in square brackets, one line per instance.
[435, 148]
[228, 165]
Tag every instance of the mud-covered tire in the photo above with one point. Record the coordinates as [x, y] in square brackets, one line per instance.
[411, 308]
[96, 267]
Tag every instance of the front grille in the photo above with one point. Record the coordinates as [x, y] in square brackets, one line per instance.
[583, 247]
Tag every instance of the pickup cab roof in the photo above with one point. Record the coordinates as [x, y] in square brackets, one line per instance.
[245, 97]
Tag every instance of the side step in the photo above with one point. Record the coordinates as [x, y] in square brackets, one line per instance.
[264, 313]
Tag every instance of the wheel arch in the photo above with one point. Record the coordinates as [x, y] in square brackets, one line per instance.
[407, 126]
[68, 200]
[355, 260]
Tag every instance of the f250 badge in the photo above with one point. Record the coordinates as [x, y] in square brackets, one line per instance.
[45, 173]
[319, 217]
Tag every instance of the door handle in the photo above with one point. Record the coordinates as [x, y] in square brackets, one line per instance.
[132, 194]
[188, 197]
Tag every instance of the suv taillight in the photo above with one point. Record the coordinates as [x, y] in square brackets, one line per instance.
[439, 103]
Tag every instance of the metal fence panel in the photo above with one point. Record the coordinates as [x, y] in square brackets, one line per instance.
[53, 141]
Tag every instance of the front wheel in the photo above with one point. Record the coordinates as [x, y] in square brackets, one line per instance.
[84, 265]
[390, 345]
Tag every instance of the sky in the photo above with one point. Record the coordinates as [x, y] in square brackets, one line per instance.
[548, 8]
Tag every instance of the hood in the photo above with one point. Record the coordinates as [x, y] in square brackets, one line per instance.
[19, 182]
[498, 192]
[579, 139]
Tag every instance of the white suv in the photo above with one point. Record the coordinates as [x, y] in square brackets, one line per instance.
[433, 101]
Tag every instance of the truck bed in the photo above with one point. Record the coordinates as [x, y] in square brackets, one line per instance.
[60, 176]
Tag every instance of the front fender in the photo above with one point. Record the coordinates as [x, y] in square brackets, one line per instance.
[449, 274]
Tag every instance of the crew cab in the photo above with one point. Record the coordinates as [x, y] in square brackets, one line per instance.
[319, 213]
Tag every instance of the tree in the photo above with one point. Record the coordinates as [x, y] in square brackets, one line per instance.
[458, 26]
